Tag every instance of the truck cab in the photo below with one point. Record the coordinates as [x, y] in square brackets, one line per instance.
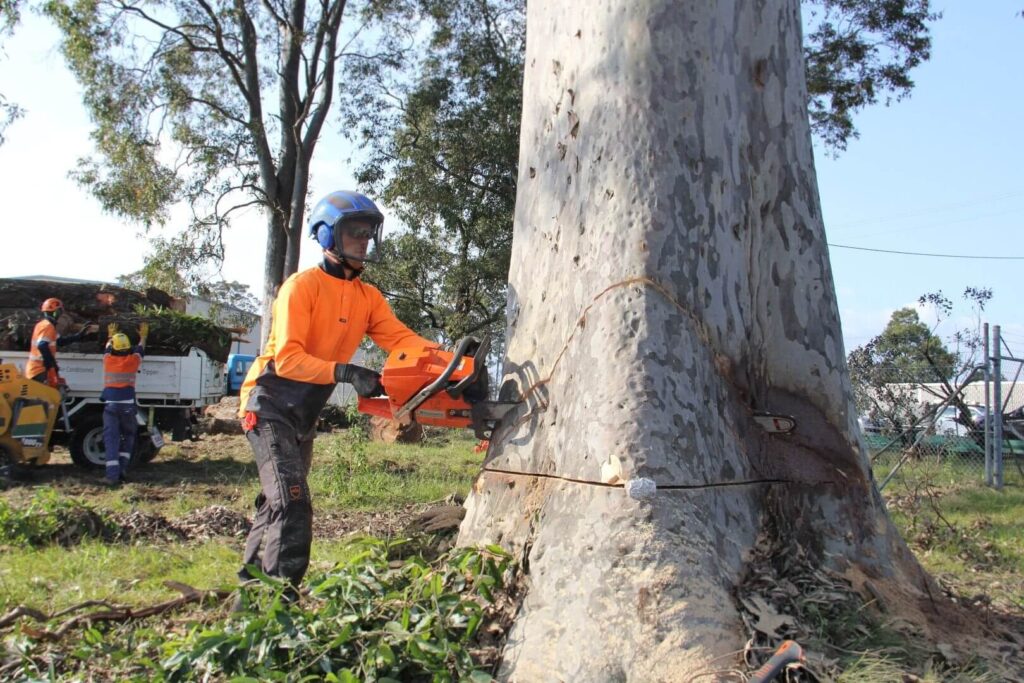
[237, 368]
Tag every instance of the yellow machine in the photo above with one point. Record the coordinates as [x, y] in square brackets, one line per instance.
[28, 413]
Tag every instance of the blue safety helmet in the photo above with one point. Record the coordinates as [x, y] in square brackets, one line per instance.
[331, 214]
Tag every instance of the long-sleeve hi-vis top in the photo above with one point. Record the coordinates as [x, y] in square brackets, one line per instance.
[318, 321]
[42, 351]
[119, 373]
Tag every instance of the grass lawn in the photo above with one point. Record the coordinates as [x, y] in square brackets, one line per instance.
[352, 480]
[966, 535]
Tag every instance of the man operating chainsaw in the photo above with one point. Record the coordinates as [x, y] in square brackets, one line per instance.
[320, 317]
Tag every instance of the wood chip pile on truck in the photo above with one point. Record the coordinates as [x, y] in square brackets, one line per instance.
[183, 370]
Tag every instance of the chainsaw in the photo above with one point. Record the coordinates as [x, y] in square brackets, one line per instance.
[450, 389]
[440, 388]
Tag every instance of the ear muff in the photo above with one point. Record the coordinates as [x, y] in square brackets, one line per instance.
[325, 236]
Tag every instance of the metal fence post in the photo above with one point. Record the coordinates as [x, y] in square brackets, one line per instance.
[997, 400]
[988, 412]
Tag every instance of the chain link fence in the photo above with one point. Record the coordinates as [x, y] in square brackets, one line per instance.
[943, 445]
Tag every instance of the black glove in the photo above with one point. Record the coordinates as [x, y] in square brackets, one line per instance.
[365, 382]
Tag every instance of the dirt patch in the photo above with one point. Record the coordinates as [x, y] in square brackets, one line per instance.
[406, 520]
[225, 409]
[221, 418]
[209, 522]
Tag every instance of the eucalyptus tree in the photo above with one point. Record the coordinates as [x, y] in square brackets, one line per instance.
[219, 103]
[440, 133]
[670, 294]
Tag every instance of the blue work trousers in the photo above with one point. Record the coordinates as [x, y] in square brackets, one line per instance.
[119, 428]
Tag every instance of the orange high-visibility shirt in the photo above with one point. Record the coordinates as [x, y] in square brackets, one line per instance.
[318, 321]
[44, 331]
[119, 373]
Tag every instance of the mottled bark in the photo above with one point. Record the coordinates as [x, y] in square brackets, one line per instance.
[274, 272]
[669, 278]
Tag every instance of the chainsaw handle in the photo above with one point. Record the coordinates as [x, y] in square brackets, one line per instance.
[438, 384]
[789, 652]
[479, 364]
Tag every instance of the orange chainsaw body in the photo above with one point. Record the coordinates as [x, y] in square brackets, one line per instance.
[406, 373]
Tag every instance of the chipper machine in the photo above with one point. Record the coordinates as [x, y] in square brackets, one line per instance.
[28, 413]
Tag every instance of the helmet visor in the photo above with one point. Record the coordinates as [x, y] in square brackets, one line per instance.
[357, 239]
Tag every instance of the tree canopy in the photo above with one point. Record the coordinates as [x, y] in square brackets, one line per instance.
[442, 153]
[10, 14]
[441, 135]
[857, 51]
[908, 351]
[215, 103]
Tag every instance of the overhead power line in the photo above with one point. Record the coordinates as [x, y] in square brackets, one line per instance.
[918, 253]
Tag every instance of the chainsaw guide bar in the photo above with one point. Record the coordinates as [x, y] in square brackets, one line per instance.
[775, 424]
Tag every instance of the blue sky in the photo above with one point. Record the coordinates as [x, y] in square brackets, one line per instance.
[939, 172]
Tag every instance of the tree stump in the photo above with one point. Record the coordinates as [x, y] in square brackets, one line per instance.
[390, 431]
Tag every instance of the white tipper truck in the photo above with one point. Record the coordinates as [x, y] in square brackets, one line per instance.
[168, 390]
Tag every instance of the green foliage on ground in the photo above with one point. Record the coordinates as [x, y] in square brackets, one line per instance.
[375, 620]
[398, 623]
[47, 519]
[383, 614]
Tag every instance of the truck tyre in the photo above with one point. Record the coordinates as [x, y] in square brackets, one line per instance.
[86, 445]
[88, 451]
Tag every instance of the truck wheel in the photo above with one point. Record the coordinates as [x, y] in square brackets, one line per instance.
[88, 451]
[86, 445]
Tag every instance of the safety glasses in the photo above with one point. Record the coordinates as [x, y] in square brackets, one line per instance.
[359, 231]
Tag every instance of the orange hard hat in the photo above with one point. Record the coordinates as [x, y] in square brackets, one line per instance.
[51, 305]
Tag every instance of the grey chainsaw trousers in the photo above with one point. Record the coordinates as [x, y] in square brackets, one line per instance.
[283, 525]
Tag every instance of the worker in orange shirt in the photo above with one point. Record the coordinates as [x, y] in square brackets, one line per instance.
[320, 317]
[121, 363]
[42, 353]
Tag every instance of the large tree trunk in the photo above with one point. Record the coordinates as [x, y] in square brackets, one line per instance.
[669, 278]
